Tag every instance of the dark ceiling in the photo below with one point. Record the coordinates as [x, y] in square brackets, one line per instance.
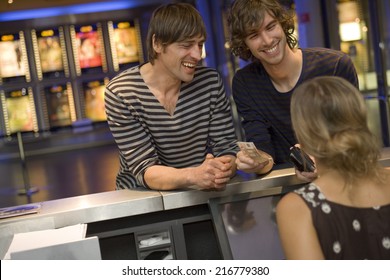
[18, 5]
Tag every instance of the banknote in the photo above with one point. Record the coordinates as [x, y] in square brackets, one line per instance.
[249, 149]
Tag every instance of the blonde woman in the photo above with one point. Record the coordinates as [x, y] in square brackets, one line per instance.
[345, 212]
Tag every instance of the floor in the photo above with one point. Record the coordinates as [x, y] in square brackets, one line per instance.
[58, 170]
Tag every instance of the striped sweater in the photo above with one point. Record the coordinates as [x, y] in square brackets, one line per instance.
[265, 112]
[146, 134]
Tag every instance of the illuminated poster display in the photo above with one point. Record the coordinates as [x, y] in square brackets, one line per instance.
[88, 48]
[13, 59]
[50, 53]
[58, 105]
[19, 110]
[125, 43]
[94, 101]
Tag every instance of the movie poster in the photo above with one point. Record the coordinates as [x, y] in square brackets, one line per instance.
[94, 101]
[126, 43]
[11, 57]
[19, 111]
[89, 48]
[50, 51]
[58, 106]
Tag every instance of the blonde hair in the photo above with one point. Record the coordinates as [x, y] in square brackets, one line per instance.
[329, 118]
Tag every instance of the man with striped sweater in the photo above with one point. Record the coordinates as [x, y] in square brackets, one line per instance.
[170, 117]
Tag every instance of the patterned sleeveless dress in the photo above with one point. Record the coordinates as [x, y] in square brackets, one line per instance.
[347, 232]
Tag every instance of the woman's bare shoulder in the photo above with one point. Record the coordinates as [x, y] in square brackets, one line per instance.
[291, 202]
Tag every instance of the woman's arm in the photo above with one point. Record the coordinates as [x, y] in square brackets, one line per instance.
[296, 230]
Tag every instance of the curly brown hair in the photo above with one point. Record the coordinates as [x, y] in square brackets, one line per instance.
[247, 15]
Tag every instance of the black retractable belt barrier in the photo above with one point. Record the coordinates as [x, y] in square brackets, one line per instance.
[28, 190]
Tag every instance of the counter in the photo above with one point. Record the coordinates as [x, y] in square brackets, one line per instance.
[124, 204]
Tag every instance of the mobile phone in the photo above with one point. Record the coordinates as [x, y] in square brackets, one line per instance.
[301, 160]
[249, 149]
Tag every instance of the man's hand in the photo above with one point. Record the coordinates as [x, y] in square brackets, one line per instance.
[249, 165]
[214, 173]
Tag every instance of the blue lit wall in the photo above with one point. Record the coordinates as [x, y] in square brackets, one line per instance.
[75, 9]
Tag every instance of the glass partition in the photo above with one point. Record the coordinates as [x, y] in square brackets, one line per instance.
[365, 37]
